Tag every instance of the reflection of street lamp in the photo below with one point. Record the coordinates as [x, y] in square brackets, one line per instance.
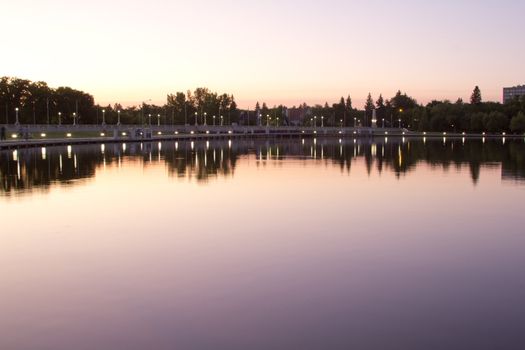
[17, 122]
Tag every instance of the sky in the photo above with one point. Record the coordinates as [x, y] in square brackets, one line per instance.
[277, 51]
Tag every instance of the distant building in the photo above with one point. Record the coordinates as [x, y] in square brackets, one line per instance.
[511, 92]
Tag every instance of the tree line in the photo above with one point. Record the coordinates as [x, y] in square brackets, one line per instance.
[37, 103]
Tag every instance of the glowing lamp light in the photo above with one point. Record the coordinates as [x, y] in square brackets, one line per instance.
[43, 135]
[176, 132]
[192, 132]
[102, 134]
[124, 134]
[159, 133]
[207, 131]
[230, 132]
[68, 134]
[14, 136]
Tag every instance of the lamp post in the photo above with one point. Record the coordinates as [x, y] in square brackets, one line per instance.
[341, 122]
[118, 117]
[149, 119]
[267, 120]
[17, 121]
[196, 120]
[322, 121]
[383, 122]
[315, 121]
[213, 120]
[158, 119]
[355, 122]
[222, 119]
[74, 118]
[59, 118]
[277, 121]
[103, 117]
[399, 120]
[205, 114]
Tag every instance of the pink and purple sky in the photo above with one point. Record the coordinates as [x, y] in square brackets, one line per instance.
[285, 51]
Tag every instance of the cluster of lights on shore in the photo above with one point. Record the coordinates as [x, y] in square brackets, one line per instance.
[313, 121]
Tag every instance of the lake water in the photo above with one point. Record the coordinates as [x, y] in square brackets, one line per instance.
[264, 244]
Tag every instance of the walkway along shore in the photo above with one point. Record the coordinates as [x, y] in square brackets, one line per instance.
[23, 136]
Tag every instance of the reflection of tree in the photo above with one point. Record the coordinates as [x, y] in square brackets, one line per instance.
[28, 169]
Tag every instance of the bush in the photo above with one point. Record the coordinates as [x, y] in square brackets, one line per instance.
[517, 123]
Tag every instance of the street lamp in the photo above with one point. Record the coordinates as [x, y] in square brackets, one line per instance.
[118, 117]
[399, 120]
[74, 118]
[322, 121]
[355, 122]
[17, 122]
[205, 114]
[196, 121]
[213, 120]
[267, 120]
[277, 121]
[341, 121]
[103, 117]
[222, 118]
[59, 118]
[383, 122]
[315, 121]
[158, 119]
[149, 119]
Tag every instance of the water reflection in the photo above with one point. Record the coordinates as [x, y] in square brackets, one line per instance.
[39, 168]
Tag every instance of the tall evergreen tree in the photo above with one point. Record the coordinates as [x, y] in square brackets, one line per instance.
[380, 103]
[369, 105]
[475, 98]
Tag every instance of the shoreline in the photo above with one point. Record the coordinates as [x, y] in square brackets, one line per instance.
[73, 134]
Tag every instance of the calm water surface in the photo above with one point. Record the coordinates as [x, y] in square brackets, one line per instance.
[279, 244]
